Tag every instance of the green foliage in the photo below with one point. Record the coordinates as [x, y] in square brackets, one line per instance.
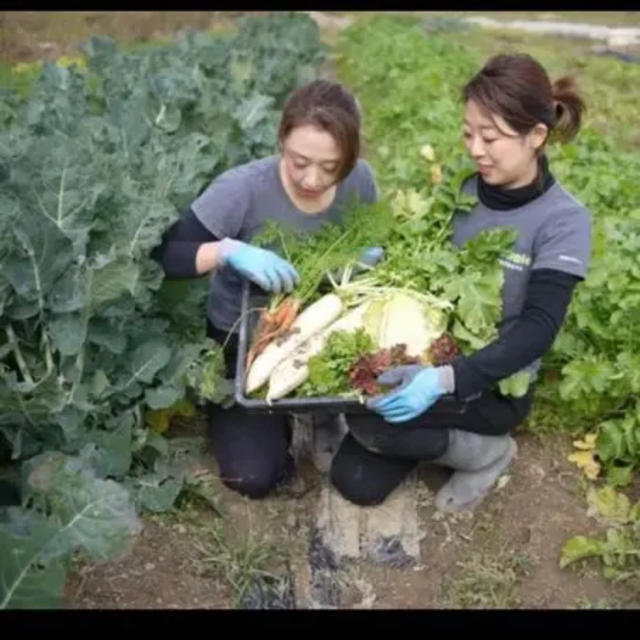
[409, 86]
[96, 162]
[597, 348]
[329, 369]
[618, 445]
[73, 509]
[332, 247]
[206, 376]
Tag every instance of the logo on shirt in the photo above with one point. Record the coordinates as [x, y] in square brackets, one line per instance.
[570, 259]
[515, 261]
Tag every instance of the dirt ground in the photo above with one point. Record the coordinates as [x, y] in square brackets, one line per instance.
[504, 555]
[26, 36]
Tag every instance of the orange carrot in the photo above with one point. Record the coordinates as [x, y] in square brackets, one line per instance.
[272, 324]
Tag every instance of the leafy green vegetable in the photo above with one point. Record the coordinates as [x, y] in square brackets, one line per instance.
[329, 369]
[611, 506]
[207, 377]
[619, 551]
[618, 445]
[515, 385]
[96, 162]
[332, 248]
[402, 317]
[580, 547]
[82, 512]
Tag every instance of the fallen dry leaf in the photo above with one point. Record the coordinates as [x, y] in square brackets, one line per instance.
[587, 462]
[502, 482]
[588, 443]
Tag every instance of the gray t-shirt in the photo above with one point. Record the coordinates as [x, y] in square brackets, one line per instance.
[554, 233]
[241, 200]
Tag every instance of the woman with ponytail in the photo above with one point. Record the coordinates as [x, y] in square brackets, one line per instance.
[512, 110]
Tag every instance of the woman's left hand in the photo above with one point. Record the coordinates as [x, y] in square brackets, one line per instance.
[371, 256]
[420, 387]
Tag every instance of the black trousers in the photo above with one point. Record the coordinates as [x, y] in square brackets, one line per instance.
[376, 456]
[251, 449]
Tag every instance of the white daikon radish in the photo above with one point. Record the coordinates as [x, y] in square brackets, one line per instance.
[294, 370]
[313, 319]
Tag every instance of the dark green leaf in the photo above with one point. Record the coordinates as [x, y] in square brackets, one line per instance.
[27, 581]
[112, 280]
[163, 397]
[147, 360]
[68, 332]
[157, 492]
[91, 514]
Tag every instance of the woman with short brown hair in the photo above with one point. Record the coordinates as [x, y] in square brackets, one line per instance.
[315, 174]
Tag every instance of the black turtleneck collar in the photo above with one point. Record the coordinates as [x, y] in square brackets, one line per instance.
[504, 199]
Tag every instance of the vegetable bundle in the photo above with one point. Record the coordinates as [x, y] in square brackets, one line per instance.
[425, 302]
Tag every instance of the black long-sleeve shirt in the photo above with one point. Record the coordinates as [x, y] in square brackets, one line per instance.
[180, 243]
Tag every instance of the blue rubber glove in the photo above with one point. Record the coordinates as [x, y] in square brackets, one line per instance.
[368, 258]
[420, 387]
[371, 256]
[261, 266]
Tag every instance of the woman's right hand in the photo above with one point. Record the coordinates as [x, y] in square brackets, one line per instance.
[261, 266]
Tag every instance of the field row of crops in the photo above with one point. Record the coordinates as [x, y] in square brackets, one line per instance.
[97, 159]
